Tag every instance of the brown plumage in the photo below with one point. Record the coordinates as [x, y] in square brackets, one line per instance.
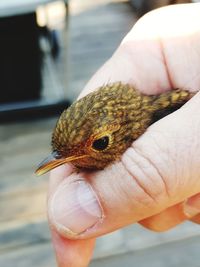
[95, 130]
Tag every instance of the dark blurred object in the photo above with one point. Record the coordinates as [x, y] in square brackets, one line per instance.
[144, 6]
[33, 53]
[20, 59]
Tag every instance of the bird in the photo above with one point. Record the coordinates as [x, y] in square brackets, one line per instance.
[98, 128]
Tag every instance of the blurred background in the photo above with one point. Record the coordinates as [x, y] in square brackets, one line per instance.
[48, 51]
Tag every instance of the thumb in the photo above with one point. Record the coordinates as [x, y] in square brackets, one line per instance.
[159, 170]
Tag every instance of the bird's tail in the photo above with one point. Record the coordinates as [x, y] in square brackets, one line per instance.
[168, 102]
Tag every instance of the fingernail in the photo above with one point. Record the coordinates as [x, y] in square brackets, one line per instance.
[191, 207]
[75, 208]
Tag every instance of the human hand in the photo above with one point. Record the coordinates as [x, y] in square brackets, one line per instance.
[156, 183]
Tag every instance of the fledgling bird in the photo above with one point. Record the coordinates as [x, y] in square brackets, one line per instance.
[95, 130]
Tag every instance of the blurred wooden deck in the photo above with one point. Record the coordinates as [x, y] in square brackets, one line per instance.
[96, 29]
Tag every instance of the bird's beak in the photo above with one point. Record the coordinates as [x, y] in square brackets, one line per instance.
[52, 162]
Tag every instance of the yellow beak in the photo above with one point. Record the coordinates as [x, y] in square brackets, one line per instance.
[51, 162]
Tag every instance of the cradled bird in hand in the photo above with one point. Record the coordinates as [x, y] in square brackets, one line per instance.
[95, 130]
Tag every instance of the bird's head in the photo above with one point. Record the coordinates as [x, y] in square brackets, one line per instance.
[94, 131]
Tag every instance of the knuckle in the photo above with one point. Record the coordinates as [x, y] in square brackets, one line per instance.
[145, 176]
[152, 225]
[195, 219]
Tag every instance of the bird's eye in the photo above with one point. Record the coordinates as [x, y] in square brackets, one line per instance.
[56, 154]
[101, 143]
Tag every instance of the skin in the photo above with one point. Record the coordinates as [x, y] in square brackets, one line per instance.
[158, 53]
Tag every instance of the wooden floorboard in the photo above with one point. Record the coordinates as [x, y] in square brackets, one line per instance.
[133, 245]
[40, 255]
[95, 34]
[183, 254]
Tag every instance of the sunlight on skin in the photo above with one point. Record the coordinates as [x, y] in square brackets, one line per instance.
[148, 27]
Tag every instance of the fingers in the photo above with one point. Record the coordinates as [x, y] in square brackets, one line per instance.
[70, 253]
[187, 210]
[192, 208]
[166, 219]
[160, 170]
[163, 161]
[196, 219]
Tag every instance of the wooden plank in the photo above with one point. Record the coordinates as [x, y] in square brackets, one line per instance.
[40, 255]
[23, 234]
[24, 206]
[101, 23]
[184, 254]
[95, 34]
[132, 238]
[135, 238]
[23, 146]
[79, 6]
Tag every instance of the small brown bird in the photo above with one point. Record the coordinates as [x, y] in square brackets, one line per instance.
[95, 130]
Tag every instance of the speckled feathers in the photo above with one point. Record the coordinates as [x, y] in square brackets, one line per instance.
[117, 111]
